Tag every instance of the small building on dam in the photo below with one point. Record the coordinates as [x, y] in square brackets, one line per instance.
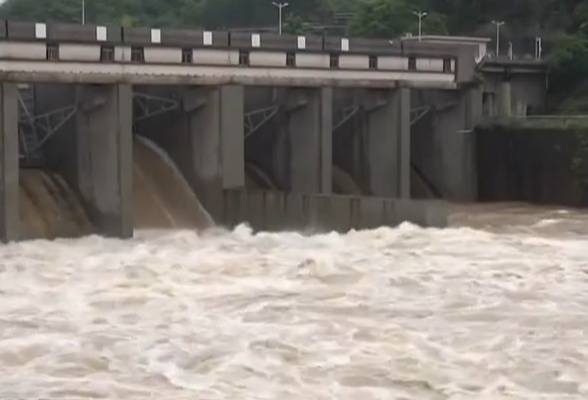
[278, 131]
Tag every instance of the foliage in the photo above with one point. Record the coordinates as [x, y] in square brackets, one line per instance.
[568, 61]
[392, 18]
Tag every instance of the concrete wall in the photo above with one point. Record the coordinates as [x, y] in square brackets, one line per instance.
[9, 174]
[538, 165]
[266, 210]
[528, 94]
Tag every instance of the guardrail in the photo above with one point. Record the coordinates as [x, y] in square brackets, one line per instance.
[73, 33]
[538, 121]
[340, 52]
[180, 56]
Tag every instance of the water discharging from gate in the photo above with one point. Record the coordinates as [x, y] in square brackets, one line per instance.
[49, 208]
[162, 199]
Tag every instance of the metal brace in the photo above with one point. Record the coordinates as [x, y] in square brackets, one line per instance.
[44, 126]
[150, 106]
[348, 113]
[257, 118]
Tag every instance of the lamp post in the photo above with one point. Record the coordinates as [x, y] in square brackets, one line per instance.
[498, 25]
[280, 6]
[420, 15]
[538, 47]
[83, 12]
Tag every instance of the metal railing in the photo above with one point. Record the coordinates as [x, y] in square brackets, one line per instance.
[539, 121]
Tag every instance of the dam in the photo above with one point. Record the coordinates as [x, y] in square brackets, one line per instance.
[493, 306]
[281, 132]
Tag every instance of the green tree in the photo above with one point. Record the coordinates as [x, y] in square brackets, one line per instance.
[295, 25]
[392, 18]
[568, 61]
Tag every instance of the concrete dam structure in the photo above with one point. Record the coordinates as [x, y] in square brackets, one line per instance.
[282, 132]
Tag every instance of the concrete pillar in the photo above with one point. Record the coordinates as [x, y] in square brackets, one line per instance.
[104, 170]
[489, 104]
[9, 164]
[472, 101]
[387, 125]
[504, 99]
[455, 165]
[309, 116]
[214, 126]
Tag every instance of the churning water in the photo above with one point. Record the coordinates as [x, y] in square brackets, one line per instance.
[495, 307]
[498, 311]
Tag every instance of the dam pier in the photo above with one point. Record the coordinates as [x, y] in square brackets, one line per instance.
[281, 132]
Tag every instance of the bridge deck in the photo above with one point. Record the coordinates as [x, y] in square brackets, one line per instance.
[38, 52]
[76, 72]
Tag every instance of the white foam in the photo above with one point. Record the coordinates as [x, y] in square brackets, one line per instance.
[407, 313]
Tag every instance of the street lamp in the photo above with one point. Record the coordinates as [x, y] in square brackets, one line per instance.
[538, 47]
[420, 15]
[83, 12]
[280, 6]
[498, 25]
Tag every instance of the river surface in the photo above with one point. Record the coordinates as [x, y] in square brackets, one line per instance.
[495, 307]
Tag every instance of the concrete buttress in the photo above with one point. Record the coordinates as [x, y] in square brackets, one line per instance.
[387, 136]
[104, 142]
[213, 121]
[9, 164]
[456, 146]
[309, 116]
[504, 100]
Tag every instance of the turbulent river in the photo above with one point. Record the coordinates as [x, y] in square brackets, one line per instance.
[495, 307]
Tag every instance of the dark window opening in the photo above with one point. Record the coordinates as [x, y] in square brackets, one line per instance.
[106, 53]
[373, 62]
[137, 54]
[187, 56]
[412, 66]
[290, 59]
[447, 65]
[244, 58]
[52, 52]
[334, 60]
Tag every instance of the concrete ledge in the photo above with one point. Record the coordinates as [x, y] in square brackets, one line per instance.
[75, 72]
[273, 210]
